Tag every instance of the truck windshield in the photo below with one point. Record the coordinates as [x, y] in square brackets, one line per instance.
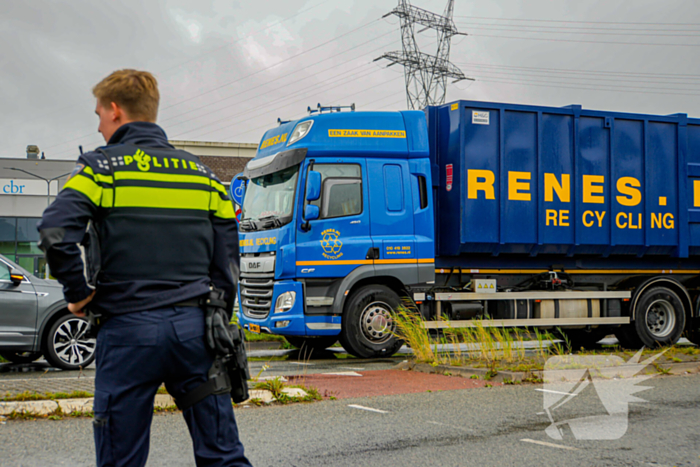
[269, 200]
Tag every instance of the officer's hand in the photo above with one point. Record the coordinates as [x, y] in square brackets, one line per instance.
[77, 308]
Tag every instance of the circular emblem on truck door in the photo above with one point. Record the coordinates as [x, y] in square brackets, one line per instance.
[331, 244]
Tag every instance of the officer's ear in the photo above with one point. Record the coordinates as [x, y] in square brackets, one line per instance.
[119, 114]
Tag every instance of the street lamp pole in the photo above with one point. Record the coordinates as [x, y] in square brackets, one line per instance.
[47, 180]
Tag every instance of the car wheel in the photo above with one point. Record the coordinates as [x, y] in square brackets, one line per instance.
[20, 357]
[368, 323]
[67, 346]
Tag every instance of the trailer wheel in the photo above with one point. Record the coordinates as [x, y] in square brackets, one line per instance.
[659, 317]
[312, 343]
[368, 322]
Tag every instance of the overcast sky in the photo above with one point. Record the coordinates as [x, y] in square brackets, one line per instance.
[228, 69]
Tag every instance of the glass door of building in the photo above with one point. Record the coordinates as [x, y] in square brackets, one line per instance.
[35, 264]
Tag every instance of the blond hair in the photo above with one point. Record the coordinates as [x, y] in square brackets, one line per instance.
[134, 91]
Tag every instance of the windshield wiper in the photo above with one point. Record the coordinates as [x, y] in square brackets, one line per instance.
[247, 224]
[276, 222]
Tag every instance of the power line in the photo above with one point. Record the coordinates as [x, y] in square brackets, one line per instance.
[518, 29]
[279, 78]
[248, 114]
[564, 70]
[586, 87]
[539, 26]
[228, 83]
[538, 74]
[587, 42]
[300, 115]
[274, 65]
[270, 26]
[198, 57]
[576, 22]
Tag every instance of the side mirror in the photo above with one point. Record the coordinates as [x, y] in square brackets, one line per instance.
[311, 212]
[17, 276]
[313, 187]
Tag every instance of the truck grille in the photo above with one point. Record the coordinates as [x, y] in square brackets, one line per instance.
[256, 294]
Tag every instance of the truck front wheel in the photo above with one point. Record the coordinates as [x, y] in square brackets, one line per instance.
[368, 322]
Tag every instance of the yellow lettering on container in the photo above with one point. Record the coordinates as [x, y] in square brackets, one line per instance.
[621, 225]
[696, 193]
[550, 215]
[593, 189]
[552, 185]
[627, 186]
[655, 220]
[668, 221]
[515, 186]
[563, 218]
[585, 222]
[480, 180]
[600, 216]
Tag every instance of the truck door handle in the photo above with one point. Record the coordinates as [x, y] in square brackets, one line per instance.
[372, 253]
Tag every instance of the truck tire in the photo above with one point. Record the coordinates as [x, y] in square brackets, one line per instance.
[659, 317]
[311, 343]
[368, 324]
[586, 339]
[628, 338]
[66, 346]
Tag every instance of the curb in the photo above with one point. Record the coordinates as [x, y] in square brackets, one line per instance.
[83, 405]
[66, 406]
[518, 376]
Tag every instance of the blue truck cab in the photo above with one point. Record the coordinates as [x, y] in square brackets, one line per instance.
[334, 201]
[507, 215]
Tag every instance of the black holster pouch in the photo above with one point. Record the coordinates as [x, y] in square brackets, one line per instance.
[229, 372]
[93, 255]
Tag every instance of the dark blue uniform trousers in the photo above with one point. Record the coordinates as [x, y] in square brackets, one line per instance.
[136, 352]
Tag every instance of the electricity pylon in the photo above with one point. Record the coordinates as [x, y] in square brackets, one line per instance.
[426, 75]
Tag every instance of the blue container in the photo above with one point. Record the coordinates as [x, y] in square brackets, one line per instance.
[528, 180]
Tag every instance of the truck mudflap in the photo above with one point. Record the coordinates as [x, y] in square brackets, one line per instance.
[291, 321]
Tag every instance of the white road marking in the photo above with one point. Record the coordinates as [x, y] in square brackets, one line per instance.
[350, 368]
[300, 363]
[556, 392]
[361, 407]
[449, 426]
[343, 373]
[551, 445]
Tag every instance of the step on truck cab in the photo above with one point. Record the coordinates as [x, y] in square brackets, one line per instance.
[564, 218]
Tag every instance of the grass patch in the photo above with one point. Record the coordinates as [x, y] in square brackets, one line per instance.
[255, 337]
[502, 349]
[38, 396]
[276, 386]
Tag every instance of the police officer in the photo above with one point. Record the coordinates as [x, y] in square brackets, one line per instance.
[167, 232]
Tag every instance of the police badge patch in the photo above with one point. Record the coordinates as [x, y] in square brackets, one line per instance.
[76, 171]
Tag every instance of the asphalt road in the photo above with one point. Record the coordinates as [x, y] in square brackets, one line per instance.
[451, 428]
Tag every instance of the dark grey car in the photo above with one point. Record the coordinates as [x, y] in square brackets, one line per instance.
[34, 321]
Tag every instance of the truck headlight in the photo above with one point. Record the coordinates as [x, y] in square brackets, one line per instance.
[301, 130]
[285, 302]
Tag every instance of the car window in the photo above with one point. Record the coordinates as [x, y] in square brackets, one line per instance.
[4, 272]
